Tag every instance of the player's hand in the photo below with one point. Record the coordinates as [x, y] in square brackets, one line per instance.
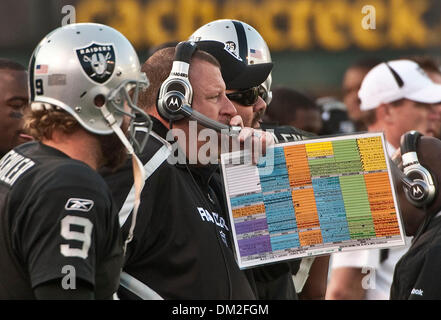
[236, 121]
[258, 140]
[396, 158]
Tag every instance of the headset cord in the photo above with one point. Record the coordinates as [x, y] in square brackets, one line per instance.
[201, 193]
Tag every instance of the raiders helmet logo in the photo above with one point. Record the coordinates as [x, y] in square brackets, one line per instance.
[98, 61]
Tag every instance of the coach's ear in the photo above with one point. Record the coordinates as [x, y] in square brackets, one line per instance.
[383, 112]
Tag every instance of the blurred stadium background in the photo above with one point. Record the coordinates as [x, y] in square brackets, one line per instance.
[312, 41]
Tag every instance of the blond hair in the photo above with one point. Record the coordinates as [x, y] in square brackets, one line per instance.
[42, 123]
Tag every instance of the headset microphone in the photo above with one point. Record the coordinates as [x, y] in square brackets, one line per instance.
[210, 123]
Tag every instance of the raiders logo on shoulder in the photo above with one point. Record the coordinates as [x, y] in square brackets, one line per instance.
[98, 61]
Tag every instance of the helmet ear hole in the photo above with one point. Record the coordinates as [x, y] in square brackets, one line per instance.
[99, 100]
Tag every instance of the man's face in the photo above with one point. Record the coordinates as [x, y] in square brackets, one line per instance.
[13, 101]
[209, 92]
[251, 115]
[435, 125]
[351, 84]
[208, 98]
[434, 129]
[409, 115]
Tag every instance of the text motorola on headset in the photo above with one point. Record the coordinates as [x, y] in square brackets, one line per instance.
[176, 93]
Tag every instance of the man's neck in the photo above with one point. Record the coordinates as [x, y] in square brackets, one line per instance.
[79, 145]
[389, 133]
[153, 112]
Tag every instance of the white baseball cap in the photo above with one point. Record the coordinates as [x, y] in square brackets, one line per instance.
[394, 80]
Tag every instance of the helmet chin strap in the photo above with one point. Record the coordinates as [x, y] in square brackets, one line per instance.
[139, 173]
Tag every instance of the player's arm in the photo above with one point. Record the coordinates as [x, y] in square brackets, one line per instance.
[61, 250]
[58, 238]
[315, 286]
[52, 290]
[346, 284]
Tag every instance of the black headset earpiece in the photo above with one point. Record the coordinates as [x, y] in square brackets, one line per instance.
[176, 94]
[421, 190]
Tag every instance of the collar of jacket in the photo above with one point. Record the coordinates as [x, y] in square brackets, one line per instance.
[203, 173]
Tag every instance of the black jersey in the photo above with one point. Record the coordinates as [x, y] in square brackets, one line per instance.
[416, 273]
[180, 247]
[56, 220]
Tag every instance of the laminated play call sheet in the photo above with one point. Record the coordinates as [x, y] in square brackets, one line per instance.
[312, 197]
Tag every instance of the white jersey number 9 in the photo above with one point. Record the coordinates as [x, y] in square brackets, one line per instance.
[85, 237]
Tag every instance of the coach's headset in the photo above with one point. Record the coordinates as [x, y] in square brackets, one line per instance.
[418, 183]
[176, 94]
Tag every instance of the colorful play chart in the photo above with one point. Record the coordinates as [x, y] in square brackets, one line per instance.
[312, 197]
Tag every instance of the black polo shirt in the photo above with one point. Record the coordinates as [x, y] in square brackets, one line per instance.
[417, 273]
[181, 246]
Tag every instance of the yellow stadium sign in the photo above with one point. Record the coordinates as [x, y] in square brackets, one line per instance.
[285, 24]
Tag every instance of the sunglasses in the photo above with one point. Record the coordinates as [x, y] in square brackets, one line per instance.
[263, 93]
[247, 97]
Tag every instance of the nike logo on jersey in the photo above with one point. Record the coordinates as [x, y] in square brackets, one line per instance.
[12, 166]
[77, 204]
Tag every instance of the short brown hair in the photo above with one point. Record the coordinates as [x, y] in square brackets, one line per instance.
[42, 123]
[158, 67]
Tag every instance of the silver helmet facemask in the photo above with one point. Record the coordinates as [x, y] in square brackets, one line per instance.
[140, 120]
